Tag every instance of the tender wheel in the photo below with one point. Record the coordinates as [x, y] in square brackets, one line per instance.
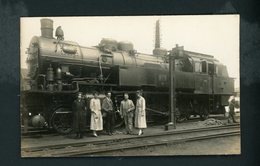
[204, 114]
[62, 120]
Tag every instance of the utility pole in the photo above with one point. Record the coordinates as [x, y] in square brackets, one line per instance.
[172, 86]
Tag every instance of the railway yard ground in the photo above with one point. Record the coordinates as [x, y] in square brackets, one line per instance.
[213, 136]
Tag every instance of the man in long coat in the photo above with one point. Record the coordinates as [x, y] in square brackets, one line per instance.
[140, 114]
[107, 106]
[96, 122]
[79, 118]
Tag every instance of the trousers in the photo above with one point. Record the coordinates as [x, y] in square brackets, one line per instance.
[231, 116]
[128, 123]
[110, 122]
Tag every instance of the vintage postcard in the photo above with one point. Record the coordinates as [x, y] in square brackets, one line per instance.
[130, 86]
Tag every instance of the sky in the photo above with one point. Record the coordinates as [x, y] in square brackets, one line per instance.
[216, 35]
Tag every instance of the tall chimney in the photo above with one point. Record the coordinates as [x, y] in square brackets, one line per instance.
[47, 28]
[157, 35]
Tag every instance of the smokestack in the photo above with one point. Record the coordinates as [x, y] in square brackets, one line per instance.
[47, 28]
[157, 35]
[157, 46]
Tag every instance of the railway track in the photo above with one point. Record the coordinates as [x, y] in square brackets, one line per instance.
[100, 147]
[37, 133]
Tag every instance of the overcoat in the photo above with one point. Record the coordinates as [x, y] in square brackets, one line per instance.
[140, 114]
[79, 115]
[96, 122]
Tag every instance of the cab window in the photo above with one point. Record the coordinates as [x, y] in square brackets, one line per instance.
[211, 69]
[183, 64]
[204, 67]
[198, 67]
[218, 70]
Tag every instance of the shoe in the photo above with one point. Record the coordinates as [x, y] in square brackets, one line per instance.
[95, 135]
[140, 132]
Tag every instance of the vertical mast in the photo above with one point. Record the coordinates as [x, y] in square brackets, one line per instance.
[157, 35]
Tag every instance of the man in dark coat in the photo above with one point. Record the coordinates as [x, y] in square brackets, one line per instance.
[79, 116]
[232, 111]
[107, 106]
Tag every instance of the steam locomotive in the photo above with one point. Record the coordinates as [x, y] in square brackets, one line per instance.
[58, 69]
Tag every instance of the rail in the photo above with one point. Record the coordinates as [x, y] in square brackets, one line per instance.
[132, 142]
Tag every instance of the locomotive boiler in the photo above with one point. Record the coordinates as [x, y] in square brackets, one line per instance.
[58, 69]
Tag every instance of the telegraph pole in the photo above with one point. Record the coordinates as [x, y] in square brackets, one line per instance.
[172, 88]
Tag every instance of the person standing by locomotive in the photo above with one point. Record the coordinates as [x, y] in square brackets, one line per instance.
[126, 111]
[231, 114]
[107, 106]
[140, 114]
[79, 118]
[96, 122]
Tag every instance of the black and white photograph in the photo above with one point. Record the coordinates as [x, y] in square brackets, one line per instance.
[130, 85]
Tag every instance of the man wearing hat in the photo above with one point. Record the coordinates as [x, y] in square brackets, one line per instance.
[79, 116]
[140, 115]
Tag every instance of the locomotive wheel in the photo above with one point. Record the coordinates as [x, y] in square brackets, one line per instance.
[62, 120]
[119, 122]
[188, 116]
[182, 114]
[204, 114]
[181, 118]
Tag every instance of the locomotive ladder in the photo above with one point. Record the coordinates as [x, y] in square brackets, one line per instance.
[211, 102]
[211, 94]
